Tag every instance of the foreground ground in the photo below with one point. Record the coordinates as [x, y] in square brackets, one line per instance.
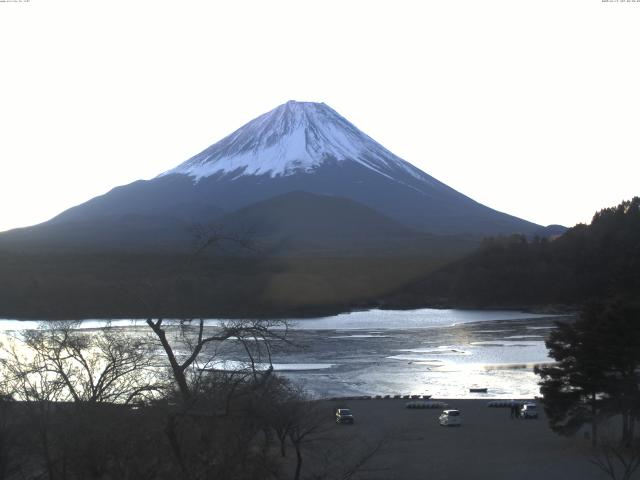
[489, 445]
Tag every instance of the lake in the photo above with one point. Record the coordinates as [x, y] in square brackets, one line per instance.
[442, 353]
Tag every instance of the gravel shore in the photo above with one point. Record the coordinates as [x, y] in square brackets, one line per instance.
[489, 445]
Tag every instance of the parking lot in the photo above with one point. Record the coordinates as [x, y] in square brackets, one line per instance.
[488, 445]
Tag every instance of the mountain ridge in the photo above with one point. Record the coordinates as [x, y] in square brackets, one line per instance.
[295, 136]
[298, 146]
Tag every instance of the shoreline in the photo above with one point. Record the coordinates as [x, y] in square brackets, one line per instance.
[321, 312]
[309, 315]
[409, 357]
[426, 398]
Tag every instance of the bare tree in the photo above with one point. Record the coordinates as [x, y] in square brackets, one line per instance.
[618, 461]
[27, 379]
[322, 450]
[59, 363]
[62, 363]
[308, 422]
[201, 345]
[9, 435]
[214, 237]
[349, 458]
[254, 336]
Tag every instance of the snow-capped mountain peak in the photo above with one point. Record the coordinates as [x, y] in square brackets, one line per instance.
[293, 138]
[299, 160]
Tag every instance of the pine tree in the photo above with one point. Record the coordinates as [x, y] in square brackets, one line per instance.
[597, 370]
[573, 389]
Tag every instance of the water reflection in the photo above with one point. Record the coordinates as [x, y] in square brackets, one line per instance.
[439, 352]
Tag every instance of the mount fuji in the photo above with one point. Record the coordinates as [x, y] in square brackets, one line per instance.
[297, 137]
[302, 158]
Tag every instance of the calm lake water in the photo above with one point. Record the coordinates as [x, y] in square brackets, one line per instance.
[443, 353]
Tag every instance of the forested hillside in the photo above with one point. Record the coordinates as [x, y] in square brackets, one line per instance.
[68, 286]
[596, 261]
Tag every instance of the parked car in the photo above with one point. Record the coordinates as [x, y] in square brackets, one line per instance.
[344, 415]
[450, 418]
[529, 410]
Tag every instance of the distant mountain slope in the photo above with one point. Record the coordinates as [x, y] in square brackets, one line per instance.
[304, 146]
[297, 147]
[307, 223]
[133, 233]
[172, 197]
[295, 223]
[596, 261]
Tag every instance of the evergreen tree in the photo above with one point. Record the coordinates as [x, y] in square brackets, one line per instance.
[619, 332]
[597, 370]
[574, 388]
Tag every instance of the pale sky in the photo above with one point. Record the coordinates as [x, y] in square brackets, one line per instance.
[530, 107]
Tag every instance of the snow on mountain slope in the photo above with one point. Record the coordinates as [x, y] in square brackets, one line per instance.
[297, 147]
[296, 137]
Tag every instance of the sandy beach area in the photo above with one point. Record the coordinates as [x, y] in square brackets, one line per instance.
[489, 445]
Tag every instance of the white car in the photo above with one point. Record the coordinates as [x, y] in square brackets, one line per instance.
[529, 410]
[450, 418]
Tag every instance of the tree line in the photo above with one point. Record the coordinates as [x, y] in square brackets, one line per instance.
[587, 263]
